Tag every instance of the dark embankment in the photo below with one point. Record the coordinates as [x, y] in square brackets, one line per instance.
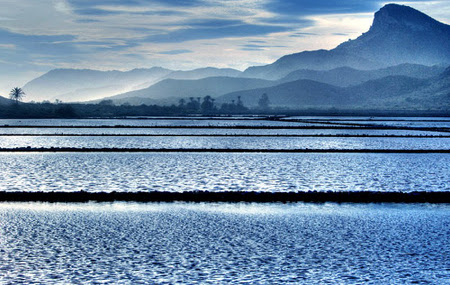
[261, 197]
[220, 150]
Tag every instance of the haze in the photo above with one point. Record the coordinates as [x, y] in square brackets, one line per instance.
[37, 36]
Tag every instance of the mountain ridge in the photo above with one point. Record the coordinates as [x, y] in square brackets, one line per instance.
[425, 42]
[390, 92]
[183, 88]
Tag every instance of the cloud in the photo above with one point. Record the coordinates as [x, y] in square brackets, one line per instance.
[176, 51]
[41, 44]
[190, 34]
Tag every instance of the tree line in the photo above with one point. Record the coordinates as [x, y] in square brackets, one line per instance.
[106, 108]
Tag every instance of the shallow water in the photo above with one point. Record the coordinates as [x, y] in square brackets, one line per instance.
[224, 243]
[188, 131]
[148, 122]
[165, 142]
[275, 172]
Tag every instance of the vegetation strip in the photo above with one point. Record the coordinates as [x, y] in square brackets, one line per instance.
[220, 150]
[230, 196]
[226, 135]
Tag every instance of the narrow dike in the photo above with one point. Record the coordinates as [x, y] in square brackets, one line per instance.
[231, 197]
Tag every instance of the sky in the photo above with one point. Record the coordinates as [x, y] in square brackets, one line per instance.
[39, 35]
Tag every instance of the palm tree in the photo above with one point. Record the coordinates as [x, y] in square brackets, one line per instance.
[16, 94]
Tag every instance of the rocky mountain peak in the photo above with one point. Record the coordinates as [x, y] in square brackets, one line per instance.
[393, 16]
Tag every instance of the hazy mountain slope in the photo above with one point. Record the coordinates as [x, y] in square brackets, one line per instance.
[300, 93]
[383, 88]
[203, 73]
[387, 93]
[433, 95]
[346, 76]
[399, 34]
[72, 84]
[213, 86]
[4, 101]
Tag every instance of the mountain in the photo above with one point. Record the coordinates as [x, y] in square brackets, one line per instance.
[435, 94]
[174, 88]
[387, 93]
[301, 93]
[346, 76]
[85, 84]
[70, 85]
[399, 34]
[4, 101]
[203, 73]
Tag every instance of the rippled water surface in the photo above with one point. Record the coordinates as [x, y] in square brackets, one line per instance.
[186, 243]
[223, 243]
[165, 142]
[149, 122]
[224, 172]
[212, 131]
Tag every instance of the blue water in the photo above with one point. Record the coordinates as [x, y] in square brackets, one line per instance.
[187, 243]
[178, 172]
[224, 243]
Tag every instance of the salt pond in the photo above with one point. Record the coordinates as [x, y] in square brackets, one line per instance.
[224, 243]
[275, 172]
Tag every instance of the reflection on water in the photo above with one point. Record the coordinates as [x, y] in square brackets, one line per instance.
[223, 243]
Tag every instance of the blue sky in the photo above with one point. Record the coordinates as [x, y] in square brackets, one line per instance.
[37, 36]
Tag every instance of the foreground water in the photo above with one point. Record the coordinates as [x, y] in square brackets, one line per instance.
[224, 243]
[169, 243]
[275, 172]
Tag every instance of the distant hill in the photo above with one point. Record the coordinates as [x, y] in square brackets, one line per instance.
[301, 93]
[85, 84]
[387, 93]
[175, 88]
[4, 101]
[434, 94]
[71, 85]
[346, 76]
[399, 34]
[203, 73]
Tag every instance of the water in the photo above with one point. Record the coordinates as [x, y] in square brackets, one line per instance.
[178, 172]
[187, 131]
[166, 142]
[149, 122]
[223, 243]
[186, 243]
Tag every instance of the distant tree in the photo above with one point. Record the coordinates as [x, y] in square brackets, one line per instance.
[239, 102]
[106, 102]
[207, 105]
[264, 102]
[193, 105]
[65, 111]
[16, 94]
[181, 103]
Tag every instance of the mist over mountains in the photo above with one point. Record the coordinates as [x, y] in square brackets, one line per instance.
[400, 63]
[72, 85]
